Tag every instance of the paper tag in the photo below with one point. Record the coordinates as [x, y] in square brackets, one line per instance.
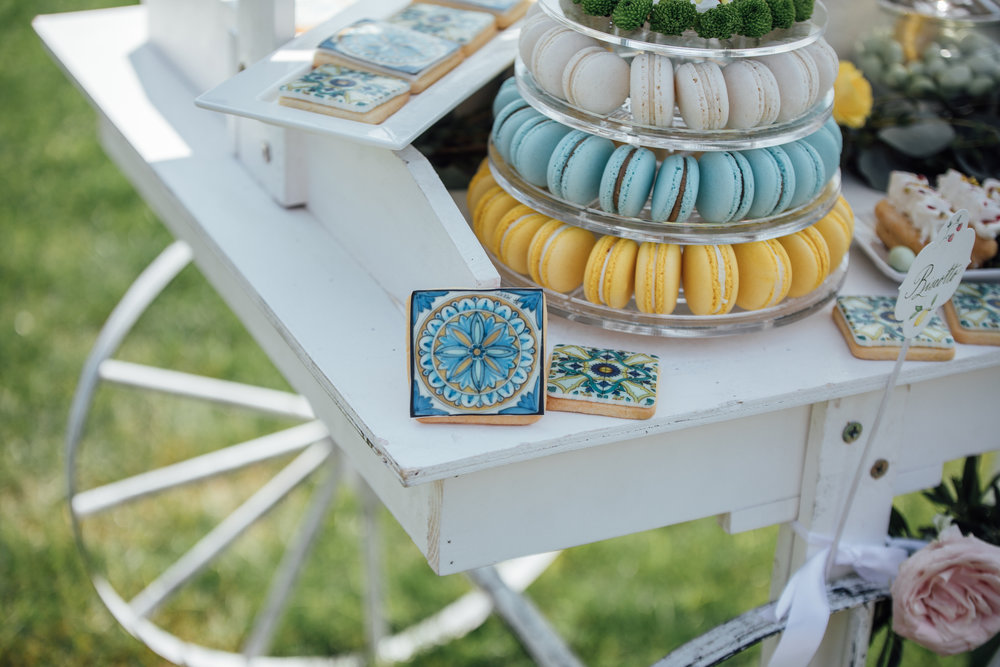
[935, 274]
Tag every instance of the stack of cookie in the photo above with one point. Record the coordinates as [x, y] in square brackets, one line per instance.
[368, 70]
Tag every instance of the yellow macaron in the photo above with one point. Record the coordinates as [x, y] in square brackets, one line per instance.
[487, 216]
[609, 277]
[558, 255]
[513, 235]
[710, 278]
[657, 277]
[481, 181]
[845, 209]
[765, 274]
[810, 259]
[837, 232]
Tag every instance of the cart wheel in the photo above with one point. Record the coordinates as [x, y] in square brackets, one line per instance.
[168, 529]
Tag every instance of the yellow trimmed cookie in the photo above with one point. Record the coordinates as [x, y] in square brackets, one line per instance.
[609, 277]
[711, 278]
[810, 259]
[558, 255]
[765, 274]
[657, 277]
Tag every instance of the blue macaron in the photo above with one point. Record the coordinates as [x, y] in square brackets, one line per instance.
[627, 180]
[576, 166]
[726, 190]
[809, 172]
[506, 94]
[773, 180]
[826, 145]
[835, 131]
[507, 122]
[532, 146]
[675, 190]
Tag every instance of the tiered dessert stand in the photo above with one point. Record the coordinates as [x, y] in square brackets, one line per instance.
[620, 127]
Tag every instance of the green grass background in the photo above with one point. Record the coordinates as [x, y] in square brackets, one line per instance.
[74, 236]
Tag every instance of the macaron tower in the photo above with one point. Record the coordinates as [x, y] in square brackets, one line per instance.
[665, 189]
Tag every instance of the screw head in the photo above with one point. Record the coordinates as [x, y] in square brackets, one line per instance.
[879, 468]
[851, 432]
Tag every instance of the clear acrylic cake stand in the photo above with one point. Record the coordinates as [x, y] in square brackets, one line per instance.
[316, 457]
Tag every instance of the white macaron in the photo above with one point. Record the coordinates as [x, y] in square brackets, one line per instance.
[596, 80]
[552, 53]
[754, 98]
[827, 63]
[700, 91]
[798, 82]
[651, 90]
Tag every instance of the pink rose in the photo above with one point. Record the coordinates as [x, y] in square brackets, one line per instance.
[947, 595]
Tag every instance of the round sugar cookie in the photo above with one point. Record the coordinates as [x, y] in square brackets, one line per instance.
[609, 277]
[810, 257]
[765, 274]
[657, 277]
[710, 278]
[558, 255]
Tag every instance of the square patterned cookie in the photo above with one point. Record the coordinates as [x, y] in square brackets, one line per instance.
[506, 11]
[598, 381]
[477, 356]
[333, 90]
[973, 314]
[393, 50]
[870, 327]
[468, 28]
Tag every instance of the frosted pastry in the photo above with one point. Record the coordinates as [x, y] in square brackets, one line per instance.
[386, 48]
[470, 29]
[346, 93]
[870, 327]
[596, 381]
[973, 313]
[477, 356]
[506, 11]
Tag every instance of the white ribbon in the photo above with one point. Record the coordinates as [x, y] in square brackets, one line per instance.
[804, 599]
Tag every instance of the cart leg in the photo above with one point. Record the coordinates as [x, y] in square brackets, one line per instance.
[833, 451]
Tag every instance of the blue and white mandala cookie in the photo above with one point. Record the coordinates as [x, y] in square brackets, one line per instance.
[477, 356]
[600, 381]
[394, 50]
[346, 93]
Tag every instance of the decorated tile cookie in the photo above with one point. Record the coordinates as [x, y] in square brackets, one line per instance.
[602, 382]
[870, 327]
[391, 49]
[506, 11]
[346, 93]
[477, 356]
[468, 28]
[973, 314]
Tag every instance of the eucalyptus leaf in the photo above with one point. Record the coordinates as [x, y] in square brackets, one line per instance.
[920, 139]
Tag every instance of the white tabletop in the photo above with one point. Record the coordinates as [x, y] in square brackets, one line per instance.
[731, 410]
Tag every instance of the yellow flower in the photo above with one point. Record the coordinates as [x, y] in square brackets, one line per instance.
[852, 96]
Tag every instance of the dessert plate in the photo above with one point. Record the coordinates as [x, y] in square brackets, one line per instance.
[870, 244]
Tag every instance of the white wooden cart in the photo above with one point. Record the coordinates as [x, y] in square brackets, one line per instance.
[757, 429]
